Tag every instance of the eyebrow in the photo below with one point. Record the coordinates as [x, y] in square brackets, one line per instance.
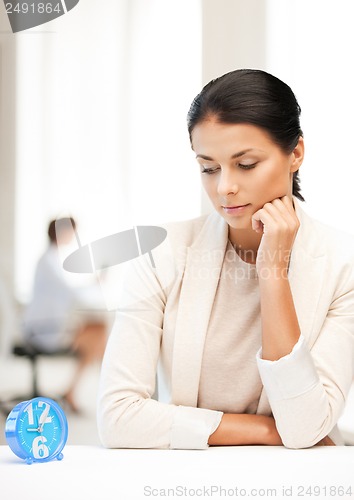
[236, 155]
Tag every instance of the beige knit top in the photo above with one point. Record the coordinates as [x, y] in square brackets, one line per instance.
[230, 380]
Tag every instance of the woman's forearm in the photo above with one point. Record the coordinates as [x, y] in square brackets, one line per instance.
[278, 223]
[245, 429]
[280, 327]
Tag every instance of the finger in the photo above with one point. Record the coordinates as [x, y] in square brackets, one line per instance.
[257, 226]
[288, 202]
[262, 220]
[285, 212]
[274, 218]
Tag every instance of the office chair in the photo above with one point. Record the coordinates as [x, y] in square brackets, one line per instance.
[33, 355]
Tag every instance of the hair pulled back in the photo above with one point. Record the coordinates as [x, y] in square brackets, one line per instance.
[254, 97]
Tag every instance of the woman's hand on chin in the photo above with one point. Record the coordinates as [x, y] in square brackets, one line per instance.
[278, 222]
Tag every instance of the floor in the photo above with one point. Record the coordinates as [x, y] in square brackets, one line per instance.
[54, 376]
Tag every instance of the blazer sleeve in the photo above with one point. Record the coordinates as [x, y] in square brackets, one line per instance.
[127, 414]
[307, 389]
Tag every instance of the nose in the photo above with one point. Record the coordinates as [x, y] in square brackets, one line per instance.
[228, 183]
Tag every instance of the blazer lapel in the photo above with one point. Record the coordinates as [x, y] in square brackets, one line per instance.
[200, 280]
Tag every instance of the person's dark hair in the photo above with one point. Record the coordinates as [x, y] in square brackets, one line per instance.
[52, 231]
[255, 97]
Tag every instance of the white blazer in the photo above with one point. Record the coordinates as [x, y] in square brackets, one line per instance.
[165, 330]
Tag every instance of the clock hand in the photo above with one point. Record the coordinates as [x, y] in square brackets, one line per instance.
[37, 429]
[41, 425]
[31, 429]
[44, 418]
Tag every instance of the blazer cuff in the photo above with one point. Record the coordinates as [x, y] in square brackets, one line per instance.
[192, 427]
[289, 376]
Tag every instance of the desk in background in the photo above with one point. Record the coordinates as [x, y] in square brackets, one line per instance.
[94, 473]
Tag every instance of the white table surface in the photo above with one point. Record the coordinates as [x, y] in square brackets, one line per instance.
[94, 473]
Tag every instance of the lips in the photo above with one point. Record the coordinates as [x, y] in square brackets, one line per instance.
[235, 210]
[234, 206]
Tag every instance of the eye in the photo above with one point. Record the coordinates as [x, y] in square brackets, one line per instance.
[209, 170]
[247, 166]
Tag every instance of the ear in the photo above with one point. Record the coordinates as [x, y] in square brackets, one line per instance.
[297, 156]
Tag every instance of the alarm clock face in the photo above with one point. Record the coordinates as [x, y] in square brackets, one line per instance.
[37, 430]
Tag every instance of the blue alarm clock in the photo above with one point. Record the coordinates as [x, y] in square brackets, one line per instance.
[37, 430]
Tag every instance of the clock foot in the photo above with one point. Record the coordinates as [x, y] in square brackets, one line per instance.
[60, 456]
[29, 460]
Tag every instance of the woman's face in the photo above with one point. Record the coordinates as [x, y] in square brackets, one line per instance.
[242, 168]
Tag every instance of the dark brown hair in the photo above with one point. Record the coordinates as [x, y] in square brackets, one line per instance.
[51, 228]
[255, 97]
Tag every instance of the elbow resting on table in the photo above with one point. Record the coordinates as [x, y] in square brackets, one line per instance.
[111, 432]
[132, 422]
[297, 443]
[305, 425]
[116, 428]
[297, 439]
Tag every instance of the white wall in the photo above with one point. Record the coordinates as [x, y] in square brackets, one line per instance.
[7, 151]
[310, 46]
[234, 36]
[7, 184]
[102, 101]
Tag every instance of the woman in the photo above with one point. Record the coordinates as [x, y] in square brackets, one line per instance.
[251, 315]
[60, 317]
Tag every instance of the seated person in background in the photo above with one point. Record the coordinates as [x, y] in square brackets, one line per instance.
[58, 317]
